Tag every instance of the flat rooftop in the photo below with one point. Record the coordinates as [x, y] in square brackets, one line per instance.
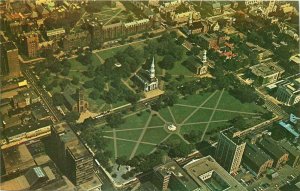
[266, 69]
[17, 158]
[207, 165]
[173, 168]
[78, 151]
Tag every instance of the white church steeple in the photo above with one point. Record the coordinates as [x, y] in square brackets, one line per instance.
[152, 70]
[204, 59]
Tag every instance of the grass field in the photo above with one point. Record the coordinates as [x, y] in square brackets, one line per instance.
[136, 129]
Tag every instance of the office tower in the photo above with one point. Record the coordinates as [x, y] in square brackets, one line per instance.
[230, 150]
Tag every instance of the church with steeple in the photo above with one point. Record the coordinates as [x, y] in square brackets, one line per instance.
[147, 79]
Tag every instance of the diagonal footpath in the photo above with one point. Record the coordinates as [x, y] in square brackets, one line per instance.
[172, 115]
[197, 123]
[212, 115]
[115, 143]
[225, 110]
[141, 137]
[199, 107]
[162, 141]
[134, 129]
[128, 140]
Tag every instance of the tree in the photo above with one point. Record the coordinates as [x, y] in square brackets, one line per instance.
[132, 98]
[95, 94]
[167, 62]
[72, 116]
[180, 150]
[238, 122]
[195, 50]
[121, 160]
[58, 99]
[75, 80]
[180, 40]
[65, 72]
[167, 77]
[114, 120]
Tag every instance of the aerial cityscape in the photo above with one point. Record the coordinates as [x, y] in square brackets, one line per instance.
[151, 95]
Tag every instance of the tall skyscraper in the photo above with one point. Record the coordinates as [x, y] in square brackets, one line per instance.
[10, 65]
[79, 164]
[31, 41]
[70, 155]
[230, 150]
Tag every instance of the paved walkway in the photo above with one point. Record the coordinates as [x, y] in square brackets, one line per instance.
[141, 137]
[212, 115]
[179, 126]
[172, 115]
[199, 107]
[115, 143]
[100, 58]
[226, 110]
[129, 140]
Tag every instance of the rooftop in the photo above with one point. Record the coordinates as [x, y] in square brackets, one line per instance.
[207, 173]
[256, 155]
[26, 128]
[291, 149]
[65, 132]
[17, 158]
[78, 151]
[173, 168]
[266, 69]
[270, 146]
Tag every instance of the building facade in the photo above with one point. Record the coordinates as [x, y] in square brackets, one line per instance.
[147, 79]
[289, 92]
[79, 164]
[31, 42]
[229, 151]
[274, 150]
[10, 65]
[256, 160]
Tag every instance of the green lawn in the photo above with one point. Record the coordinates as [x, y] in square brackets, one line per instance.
[144, 149]
[195, 100]
[125, 148]
[202, 115]
[166, 114]
[156, 121]
[155, 135]
[108, 134]
[110, 147]
[229, 102]
[135, 121]
[221, 115]
[181, 112]
[211, 103]
[174, 139]
[130, 135]
[179, 69]
[188, 128]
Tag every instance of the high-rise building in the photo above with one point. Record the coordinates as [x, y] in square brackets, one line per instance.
[70, 155]
[79, 164]
[230, 150]
[31, 42]
[10, 65]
